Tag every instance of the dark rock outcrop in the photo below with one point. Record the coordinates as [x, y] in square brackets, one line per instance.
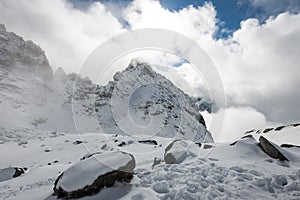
[244, 137]
[289, 146]
[271, 149]
[11, 172]
[151, 142]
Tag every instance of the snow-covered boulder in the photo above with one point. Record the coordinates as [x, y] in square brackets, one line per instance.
[271, 149]
[177, 151]
[90, 175]
[11, 172]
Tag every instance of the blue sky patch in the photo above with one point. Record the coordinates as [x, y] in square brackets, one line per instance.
[229, 12]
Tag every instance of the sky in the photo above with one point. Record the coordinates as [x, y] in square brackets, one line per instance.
[254, 45]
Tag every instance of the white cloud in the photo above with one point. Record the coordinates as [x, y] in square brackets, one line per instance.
[193, 22]
[261, 69]
[67, 34]
[237, 121]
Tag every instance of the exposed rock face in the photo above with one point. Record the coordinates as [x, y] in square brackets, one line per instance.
[244, 137]
[271, 149]
[289, 146]
[35, 99]
[25, 55]
[150, 142]
[151, 101]
[11, 172]
[92, 174]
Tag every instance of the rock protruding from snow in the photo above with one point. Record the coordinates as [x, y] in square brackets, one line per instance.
[271, 149]
[11, 172]
[289, 146]
[177, 151]
[2, 27]
[90, 175]
[152, 103]
[156, 161]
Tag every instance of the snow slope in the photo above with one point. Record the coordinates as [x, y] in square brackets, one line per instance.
[240, 171]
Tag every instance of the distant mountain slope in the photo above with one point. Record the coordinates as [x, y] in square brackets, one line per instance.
[33, 101]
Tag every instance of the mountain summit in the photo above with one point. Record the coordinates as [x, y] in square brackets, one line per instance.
[140, 101]
[22, 56]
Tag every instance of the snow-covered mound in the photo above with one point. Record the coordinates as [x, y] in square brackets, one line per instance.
[284, 134]
[142, 102]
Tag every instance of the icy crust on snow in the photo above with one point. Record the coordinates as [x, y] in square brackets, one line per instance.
[141, 101]
[87, 171]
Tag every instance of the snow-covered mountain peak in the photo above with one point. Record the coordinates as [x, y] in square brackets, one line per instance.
[141, 101]
[20, 55]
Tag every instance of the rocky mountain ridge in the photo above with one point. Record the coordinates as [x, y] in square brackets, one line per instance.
[35, 101]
